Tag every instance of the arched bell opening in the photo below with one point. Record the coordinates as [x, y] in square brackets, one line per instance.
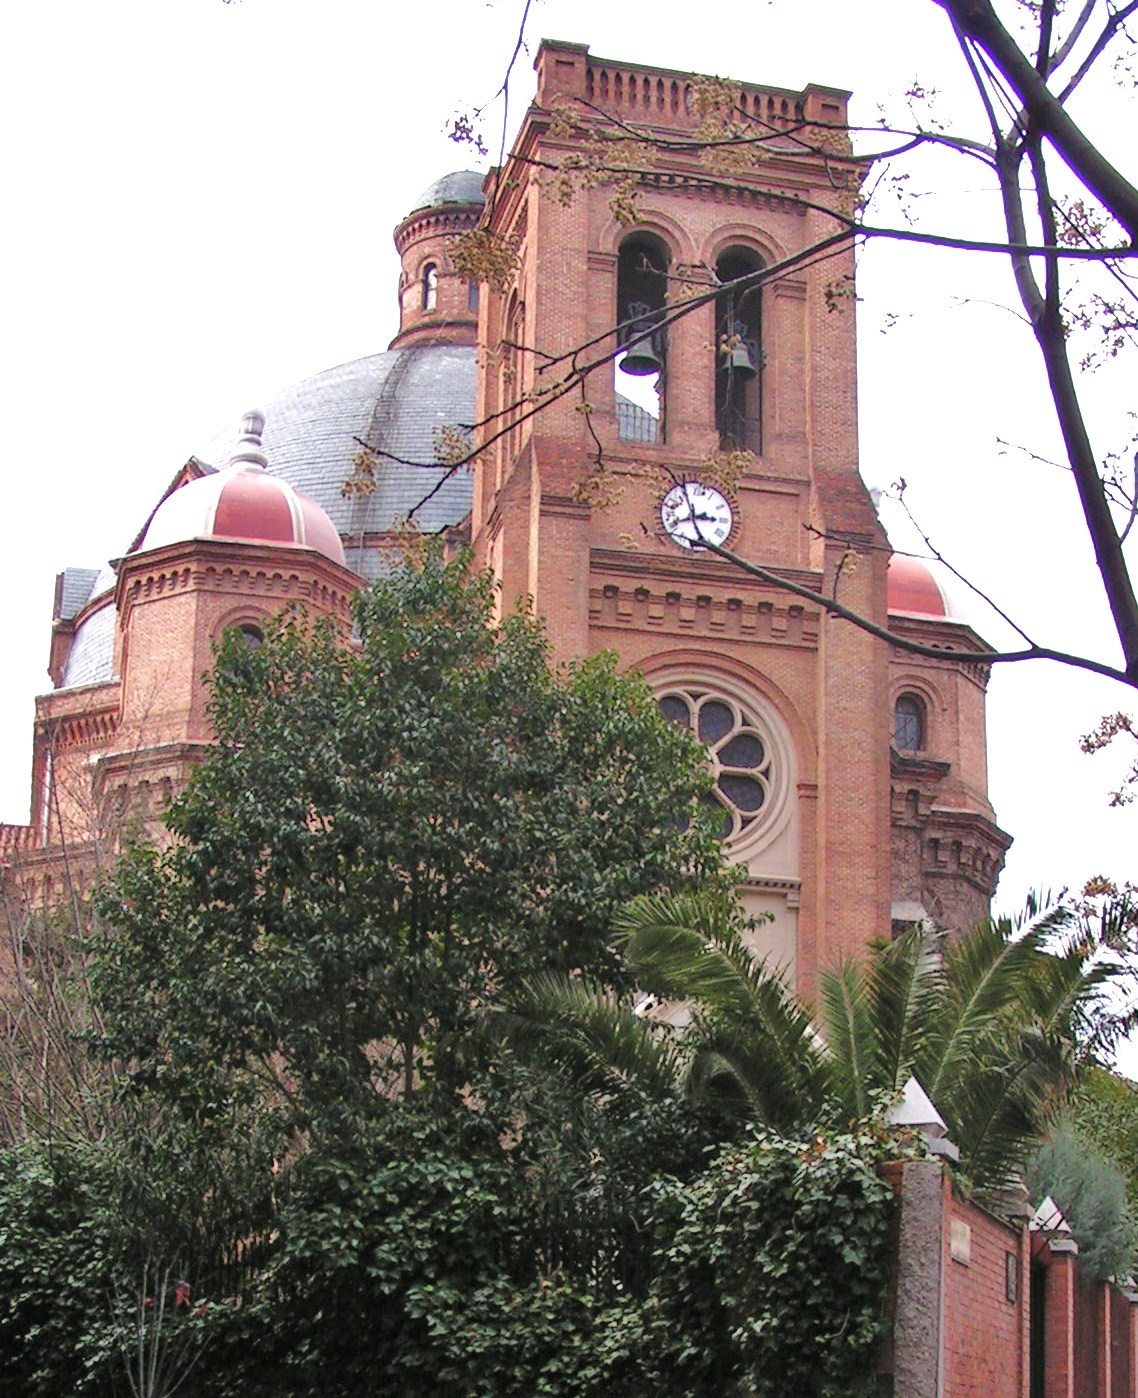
[738, 351]
[641, 368]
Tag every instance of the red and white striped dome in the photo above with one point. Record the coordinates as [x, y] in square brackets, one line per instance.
[242, 502]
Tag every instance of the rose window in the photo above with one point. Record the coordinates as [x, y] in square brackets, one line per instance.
[740, 756]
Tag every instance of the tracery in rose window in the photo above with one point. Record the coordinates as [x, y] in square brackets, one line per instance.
[739, 754]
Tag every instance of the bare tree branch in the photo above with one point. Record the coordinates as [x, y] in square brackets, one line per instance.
[834, 608]
[1112, 26]
[978, 19]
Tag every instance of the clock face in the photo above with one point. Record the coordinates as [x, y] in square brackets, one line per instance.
[693, 514]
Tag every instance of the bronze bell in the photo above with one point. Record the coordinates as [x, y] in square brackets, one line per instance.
[737, 360]
[642, 355]
[641, 358]
[737, 355]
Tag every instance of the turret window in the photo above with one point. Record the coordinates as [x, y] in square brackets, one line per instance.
[430, 287]
[908, 724]
[738, 351]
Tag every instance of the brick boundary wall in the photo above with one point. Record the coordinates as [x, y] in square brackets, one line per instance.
[970, 1292]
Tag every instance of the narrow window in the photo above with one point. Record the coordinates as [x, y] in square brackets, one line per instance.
[738, 352]
[430, 287]
[640, 368]
[512, 379]
[472, 295]
[908, 724]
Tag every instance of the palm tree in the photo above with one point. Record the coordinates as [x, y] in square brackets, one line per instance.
[993, 1025]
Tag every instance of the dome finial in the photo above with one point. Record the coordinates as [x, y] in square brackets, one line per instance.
[249, 451]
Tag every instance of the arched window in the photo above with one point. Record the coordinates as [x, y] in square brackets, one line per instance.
[908, 724]
[430, 287]
[512, 376]
[738, 352]
[641, 299]
[252, 635]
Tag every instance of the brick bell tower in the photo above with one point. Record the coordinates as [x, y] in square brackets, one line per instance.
[587, 506]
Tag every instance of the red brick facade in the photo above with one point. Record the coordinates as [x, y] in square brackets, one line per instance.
[606, 576]
[845, 836]
[986, 1315]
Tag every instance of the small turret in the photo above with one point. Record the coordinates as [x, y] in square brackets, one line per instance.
[436, 304]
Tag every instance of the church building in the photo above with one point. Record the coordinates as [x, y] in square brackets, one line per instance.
[655, 352]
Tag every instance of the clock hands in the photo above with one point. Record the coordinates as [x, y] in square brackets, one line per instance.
[694, 515]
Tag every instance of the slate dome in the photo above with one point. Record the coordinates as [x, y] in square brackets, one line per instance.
[459, 187]
[397, 402]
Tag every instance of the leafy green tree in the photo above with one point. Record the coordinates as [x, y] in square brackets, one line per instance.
[424, 1254]
[1090, 1189]
[110, 1265]
[288, 1007]
[1104, 1109]
[387, 832]
[419, 1251]
[54, 1246]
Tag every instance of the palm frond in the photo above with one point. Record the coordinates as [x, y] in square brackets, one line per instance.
[851, 1036]
[1004, 1108]
[905, 981]
[778, 1075]
[747, 1022]
[719, 1082]
[594, 1039]
[986, 976]
[1116, 921]
[1004, 1040]
[689, 947]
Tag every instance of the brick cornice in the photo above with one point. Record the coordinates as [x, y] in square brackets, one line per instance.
[721, 191]
[139, 762]
[95, 724]
[963, 845]
[791, 888]
[915, 768]
[684, 611]
[448, 220]
[563, 505]
[961, 647]
[254, 570]
[17, 840]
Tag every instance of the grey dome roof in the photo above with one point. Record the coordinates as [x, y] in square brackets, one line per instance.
[395, 402]
[459, 187]
[91, 658]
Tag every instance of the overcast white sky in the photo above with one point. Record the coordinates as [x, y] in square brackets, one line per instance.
[200, 200]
